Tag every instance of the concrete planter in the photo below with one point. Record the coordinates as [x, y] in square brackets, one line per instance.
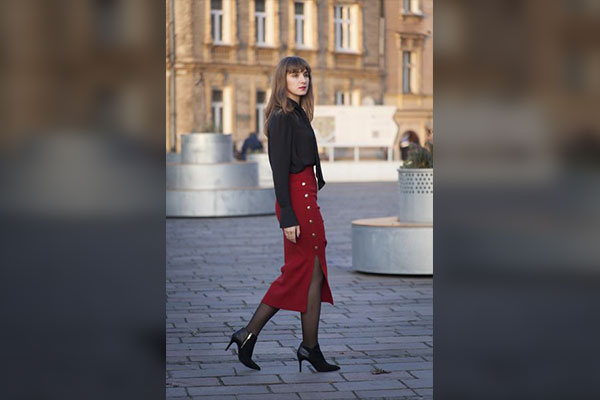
[415, 195]
[400, 245]
[208, 182]
[199, 148]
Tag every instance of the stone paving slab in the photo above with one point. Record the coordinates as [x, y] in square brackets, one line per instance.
[379, 330]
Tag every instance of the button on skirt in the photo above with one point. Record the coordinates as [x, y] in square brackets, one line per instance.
[290, 290]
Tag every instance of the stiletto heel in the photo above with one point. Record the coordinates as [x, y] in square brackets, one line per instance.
[230, 343]
[245, 341]
[300, 365]
[315, 357]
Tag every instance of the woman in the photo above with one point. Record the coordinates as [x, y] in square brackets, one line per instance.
[302, 285]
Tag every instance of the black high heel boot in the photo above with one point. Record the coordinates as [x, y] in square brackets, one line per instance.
[315, 357]
[245, 341]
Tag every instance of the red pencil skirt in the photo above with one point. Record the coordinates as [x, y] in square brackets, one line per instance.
[290, 290]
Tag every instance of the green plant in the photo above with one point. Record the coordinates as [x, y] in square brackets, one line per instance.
[419, 157]
[209, 128]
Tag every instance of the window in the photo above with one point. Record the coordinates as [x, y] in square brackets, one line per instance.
[216, 19]
[260, 111]
[260, 18]
[410, 7]
[342, 98]
[347, 19]
[407, 71]
[303, 33]
[299, 22]
[217, 110]
[265, 23]
[220, 20]
[347, 97]
[342, 27]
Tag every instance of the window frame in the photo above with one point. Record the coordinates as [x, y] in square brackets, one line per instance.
[260, 112]
[414, 7]
[217, 110]
[341, 24]
[260, 28]
[300, 25]
[216, 24]
[408, 72]
[343, 98]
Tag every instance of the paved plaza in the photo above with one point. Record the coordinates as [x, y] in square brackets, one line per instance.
[379, 330]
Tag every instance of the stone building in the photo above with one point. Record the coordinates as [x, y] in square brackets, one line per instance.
[409, 64]
[221, 54]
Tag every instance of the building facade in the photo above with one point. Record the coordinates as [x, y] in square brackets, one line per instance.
[409, 64]
[221, 55]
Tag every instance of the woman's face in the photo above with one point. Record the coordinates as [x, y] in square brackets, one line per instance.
[297, 82]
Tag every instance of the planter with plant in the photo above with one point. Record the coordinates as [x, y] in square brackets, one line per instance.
[210, 128]
[415, 186]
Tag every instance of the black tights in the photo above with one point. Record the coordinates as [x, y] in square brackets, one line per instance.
[310, 318]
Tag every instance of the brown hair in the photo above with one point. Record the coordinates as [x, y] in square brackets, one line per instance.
[279, 95]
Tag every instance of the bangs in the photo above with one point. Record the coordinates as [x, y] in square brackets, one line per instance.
[297, 67]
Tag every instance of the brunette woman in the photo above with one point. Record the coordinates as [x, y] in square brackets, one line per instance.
[293, 153]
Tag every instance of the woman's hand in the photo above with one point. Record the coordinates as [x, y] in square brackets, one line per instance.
[292, 232]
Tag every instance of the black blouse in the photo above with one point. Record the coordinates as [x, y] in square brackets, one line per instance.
[292, 147]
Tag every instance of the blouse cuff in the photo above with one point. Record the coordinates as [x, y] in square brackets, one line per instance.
[288, 218]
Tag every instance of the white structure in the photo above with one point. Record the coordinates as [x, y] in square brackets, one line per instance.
[355, 127]
[338, 171]
[207, 182]
[359, 171]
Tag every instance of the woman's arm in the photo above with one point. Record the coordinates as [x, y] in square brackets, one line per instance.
[280, 154]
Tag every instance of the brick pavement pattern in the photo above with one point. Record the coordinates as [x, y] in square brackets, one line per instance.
[379, 330]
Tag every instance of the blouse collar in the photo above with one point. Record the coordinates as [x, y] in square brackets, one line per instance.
[294, 103]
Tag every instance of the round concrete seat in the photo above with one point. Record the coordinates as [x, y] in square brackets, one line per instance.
[211, 176]
[232, 201]
[387, 246]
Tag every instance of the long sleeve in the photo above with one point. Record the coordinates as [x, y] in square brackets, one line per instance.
[280, 153]
[320, 180]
